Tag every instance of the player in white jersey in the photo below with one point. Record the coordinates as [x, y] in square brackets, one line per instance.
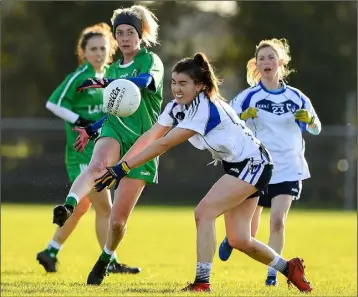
[277, 114]
[199, 114]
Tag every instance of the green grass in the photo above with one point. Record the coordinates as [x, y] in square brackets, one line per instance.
[162, 241]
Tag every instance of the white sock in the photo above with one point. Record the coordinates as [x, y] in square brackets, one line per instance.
[54, 244]
[203, 271]
[107, 251]
[271, 271]
[279, 263]
[114, 257]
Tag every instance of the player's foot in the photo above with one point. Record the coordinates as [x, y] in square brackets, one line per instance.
[115, 267]
[61, 213]
[47, 262]
[225, 250]
[197, 287]
[97, 274]
[296, 275]
[271, 281]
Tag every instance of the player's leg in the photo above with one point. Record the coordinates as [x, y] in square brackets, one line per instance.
[238, 230]
[225, 249]
[102, 205]
[48, 257]
[106, 153]
[226, 193]
[256, 218]
[125, 198]
[280, 205]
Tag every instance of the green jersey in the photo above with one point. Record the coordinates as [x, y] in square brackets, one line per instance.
[145, 117]
[87, 104]
[126, 130]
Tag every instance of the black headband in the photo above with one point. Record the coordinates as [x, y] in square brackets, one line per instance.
[128, 19]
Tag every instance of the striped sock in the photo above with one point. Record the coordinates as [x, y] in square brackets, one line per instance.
[279, 264]
[203, 271]
[53, 248]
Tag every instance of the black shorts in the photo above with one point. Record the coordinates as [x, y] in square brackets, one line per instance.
[254, 172]
[292, 188]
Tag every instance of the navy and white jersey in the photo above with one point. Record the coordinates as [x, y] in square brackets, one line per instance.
[217, 126]
[277, 128]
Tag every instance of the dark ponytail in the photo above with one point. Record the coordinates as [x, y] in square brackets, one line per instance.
[200, 70]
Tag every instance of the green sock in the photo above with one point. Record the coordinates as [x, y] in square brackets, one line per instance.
[52, 252]
[106, 258]
[70, 200]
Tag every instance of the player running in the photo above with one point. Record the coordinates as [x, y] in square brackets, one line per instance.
[277, 114]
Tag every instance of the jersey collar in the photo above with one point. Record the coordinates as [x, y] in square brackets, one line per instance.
[274, 92]
[141, 52]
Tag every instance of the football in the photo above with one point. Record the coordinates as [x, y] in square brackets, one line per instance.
[121, 98]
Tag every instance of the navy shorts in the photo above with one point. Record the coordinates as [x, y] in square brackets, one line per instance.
[255, 173]
[292, 188]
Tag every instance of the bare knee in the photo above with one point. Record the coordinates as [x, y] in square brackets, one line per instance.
[97, 167]
[118, 226]
[203, 214]
[243, 244]
[277, 224]
[103, 212]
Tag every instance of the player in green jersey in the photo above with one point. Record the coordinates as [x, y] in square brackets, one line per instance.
[95, 49]
[132, 28]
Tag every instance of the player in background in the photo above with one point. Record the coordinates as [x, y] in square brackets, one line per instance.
[199, 114]
[95, 50]
[132, 27]
[277, 114]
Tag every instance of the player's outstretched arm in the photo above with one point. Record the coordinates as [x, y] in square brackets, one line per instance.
[156, 148]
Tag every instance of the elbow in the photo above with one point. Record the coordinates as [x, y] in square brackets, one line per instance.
[164, 145]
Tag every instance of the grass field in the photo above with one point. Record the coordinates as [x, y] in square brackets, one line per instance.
[162, 242]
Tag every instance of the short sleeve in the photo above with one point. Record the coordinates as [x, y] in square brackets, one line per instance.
[201, 117]
[166, 118]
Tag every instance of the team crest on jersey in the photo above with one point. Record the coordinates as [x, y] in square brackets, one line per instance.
[277, 108]
[134, 73]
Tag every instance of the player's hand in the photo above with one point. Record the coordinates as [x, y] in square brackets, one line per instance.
[303, 115]
[251, 112]
[84, 135]
[94, 83]
[112, 176]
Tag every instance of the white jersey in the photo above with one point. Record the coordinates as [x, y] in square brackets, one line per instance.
[277, 128]
[219, 129]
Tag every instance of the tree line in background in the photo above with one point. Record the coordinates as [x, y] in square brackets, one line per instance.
[39, 40]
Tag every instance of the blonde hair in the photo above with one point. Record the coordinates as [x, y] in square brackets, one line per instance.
[282, 50]
[101, 29]
[150, 26]
[200, 70]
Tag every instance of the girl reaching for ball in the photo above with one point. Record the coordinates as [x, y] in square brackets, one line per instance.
[132, 27]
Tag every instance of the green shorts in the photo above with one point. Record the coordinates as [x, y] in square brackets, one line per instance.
[77, 162]
[148, 171]
[74, 170]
